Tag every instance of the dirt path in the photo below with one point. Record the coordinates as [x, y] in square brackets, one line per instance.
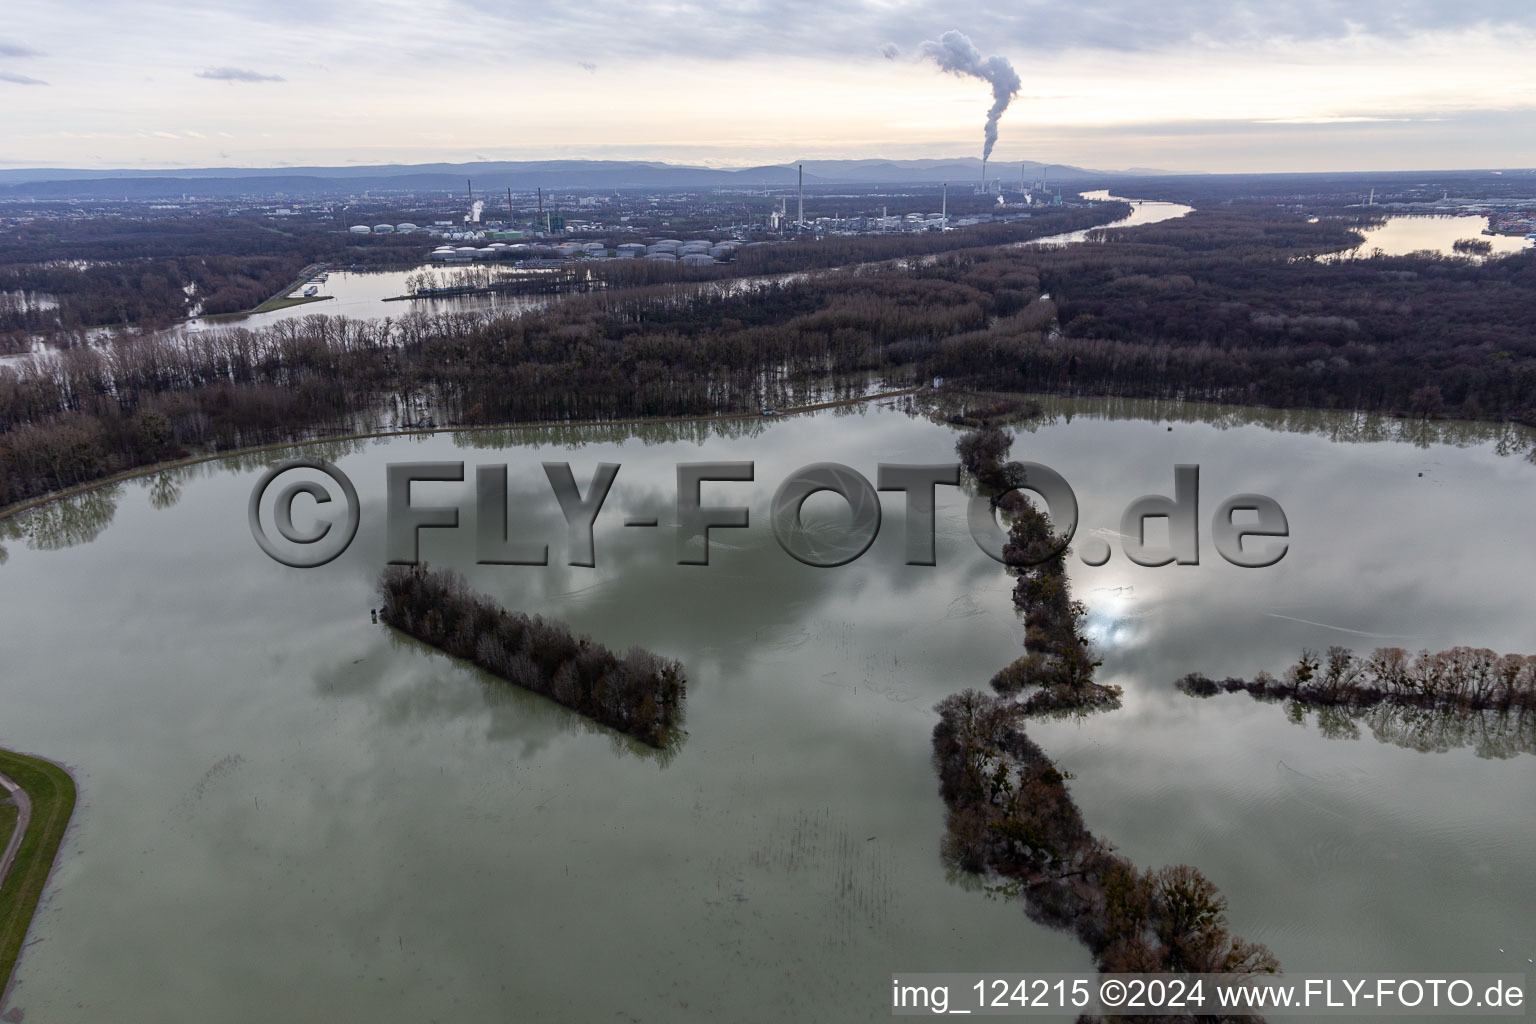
[23, 818]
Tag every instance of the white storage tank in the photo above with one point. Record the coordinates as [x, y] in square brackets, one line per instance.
[698, 259]
[360, 229]
[661, 256]
[383, 229]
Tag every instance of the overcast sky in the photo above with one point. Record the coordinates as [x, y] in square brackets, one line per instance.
[1190, 85]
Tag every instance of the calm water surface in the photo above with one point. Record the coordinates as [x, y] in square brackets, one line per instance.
[362, 296]
[1143, 211]
[1401, 235]
[288, 812]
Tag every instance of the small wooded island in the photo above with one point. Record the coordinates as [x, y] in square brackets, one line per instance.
[637, 693]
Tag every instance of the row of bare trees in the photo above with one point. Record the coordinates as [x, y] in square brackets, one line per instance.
[1060, 662]
[637, 693]
[1468, 678]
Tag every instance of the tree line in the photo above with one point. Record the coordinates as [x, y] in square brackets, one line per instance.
[1009, 813]
[1059, 664]
[1461, 678]
[637, 693]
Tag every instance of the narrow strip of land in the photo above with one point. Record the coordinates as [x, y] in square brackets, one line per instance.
[49, 795]
[23, 817]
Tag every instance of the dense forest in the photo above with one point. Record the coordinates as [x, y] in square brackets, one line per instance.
[116, 271]
[148, 273]
[1232, 305]
[637, 693]
[1222, 305]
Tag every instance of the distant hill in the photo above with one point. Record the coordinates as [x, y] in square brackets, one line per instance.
[560, 175]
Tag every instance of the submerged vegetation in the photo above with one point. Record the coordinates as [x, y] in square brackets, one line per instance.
[637, 693]
[1009, 812]
[1010, 815]
[1060, 662]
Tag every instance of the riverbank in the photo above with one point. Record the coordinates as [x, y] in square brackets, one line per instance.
[50, 792]
[192, 460]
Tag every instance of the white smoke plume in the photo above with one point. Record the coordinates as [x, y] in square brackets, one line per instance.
[955, 53]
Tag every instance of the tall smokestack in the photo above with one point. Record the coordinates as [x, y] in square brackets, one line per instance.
[800, 207]
[541, 205]
[983, 174]
[944, 210]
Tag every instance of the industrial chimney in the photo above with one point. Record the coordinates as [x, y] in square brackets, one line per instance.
[800, 208]
[944, 210]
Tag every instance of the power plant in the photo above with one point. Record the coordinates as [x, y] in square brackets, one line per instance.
[800, 207]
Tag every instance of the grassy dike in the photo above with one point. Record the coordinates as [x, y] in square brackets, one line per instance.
[52, 793]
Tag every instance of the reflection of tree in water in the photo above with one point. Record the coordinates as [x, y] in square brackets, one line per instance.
[164, 490]
[1507, 439]
[1490, 733]
[78, 519]
[512, 714]
[1011, 819]
[659, 432]
[251, 462]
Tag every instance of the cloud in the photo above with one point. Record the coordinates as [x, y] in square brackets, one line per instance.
[587, 65]
[808, 28]
[1330, 119]
[890, 51]
[17, 50]
[15, 79]
[238, 75]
